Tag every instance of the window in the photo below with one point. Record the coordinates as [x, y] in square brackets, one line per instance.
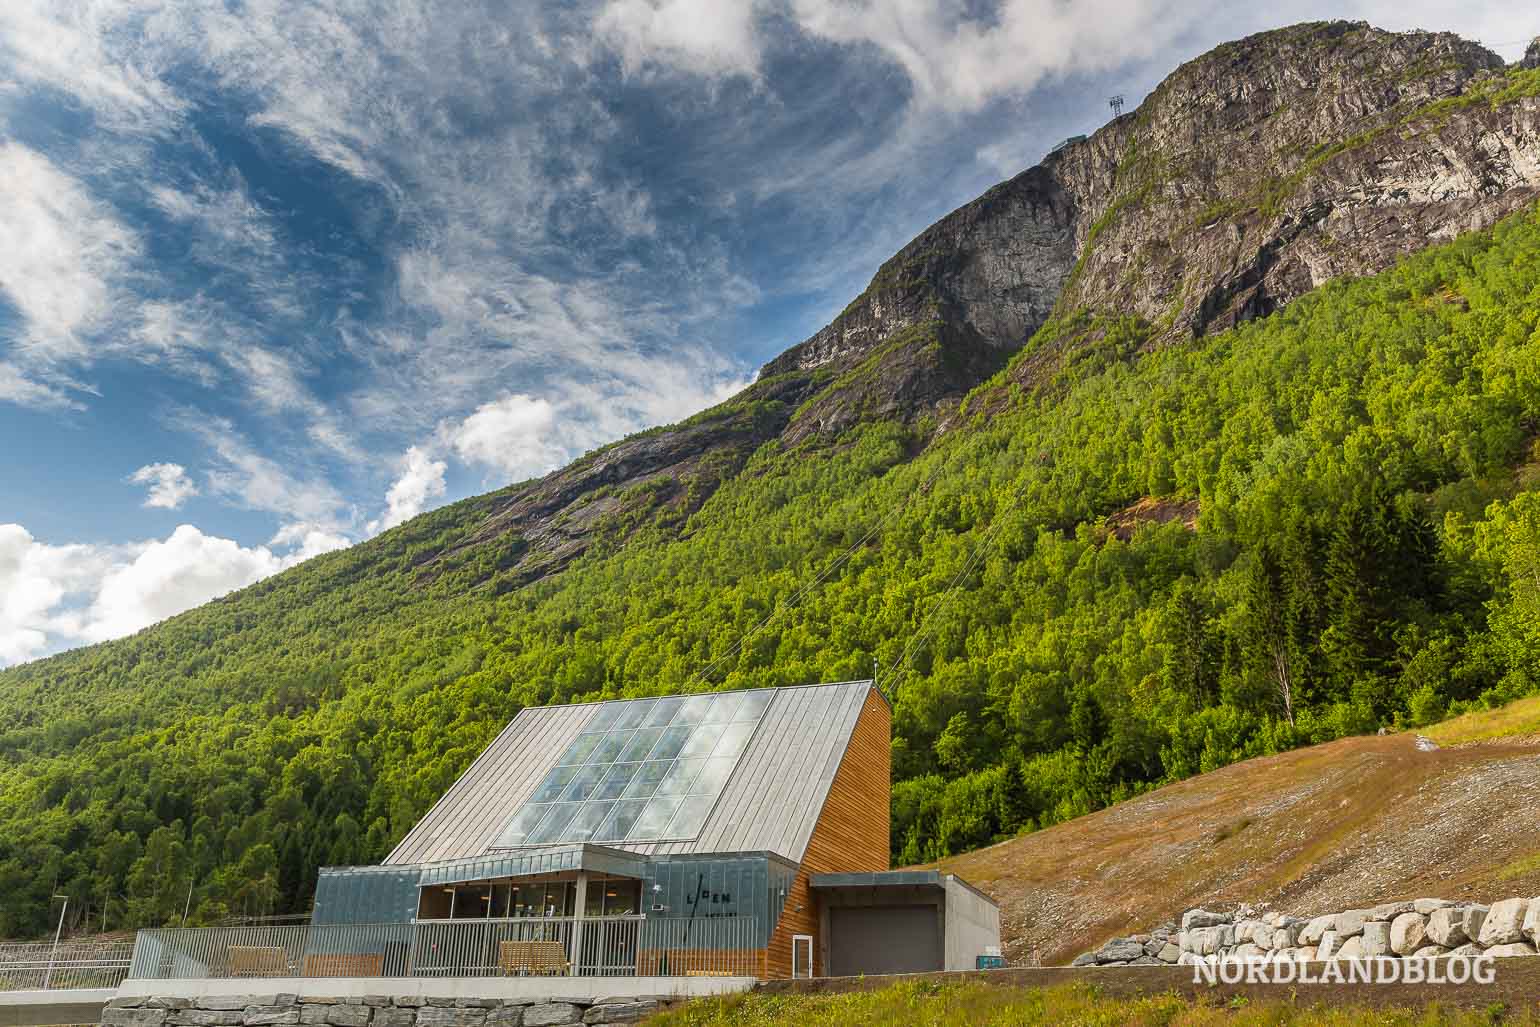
[642, 770]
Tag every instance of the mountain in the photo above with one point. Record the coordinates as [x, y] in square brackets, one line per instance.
[1119, 472]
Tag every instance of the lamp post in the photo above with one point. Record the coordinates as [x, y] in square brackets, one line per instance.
[53, 952]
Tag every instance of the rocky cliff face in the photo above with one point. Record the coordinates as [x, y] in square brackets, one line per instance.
[1250, 176]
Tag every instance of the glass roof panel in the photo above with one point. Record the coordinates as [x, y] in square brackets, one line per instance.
[614, 785]
[671, 742]
[702, 740]
[663, 711]
[654, 819]
[692, 815]
[553, 784]
[610, 747]
[578, 751]
[646, 780]
[555, 823]
[584, 782]
[640, 744]
[642, 770]
[725, 706]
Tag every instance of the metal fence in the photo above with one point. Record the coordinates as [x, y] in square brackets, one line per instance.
[44, 966]
[613, 946]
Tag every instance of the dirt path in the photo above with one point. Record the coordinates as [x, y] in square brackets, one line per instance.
[1350, 823]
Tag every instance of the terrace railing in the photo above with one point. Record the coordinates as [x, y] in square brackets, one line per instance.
[73, 964]
[610, 946]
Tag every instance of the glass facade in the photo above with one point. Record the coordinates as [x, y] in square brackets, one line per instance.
[644, 770]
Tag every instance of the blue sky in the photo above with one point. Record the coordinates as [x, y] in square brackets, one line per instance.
[276, 275]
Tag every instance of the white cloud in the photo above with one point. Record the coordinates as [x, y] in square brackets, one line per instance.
[54, 597]
[60, 253]
[165, 578]
[511, 434]
[35, 580]
[307, 540]
[707, 36]
[169, 485]
[262, 483]
[421, 481]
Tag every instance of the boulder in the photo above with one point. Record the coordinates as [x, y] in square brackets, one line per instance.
[1169, 954]
[1447, 926]
[1284, 936]
[1532, 922]
[549, 1014]
[1311, 933]
[349, 1015]
[117, 1016]
[282, 1016]
[1517, 948]
[1084, 959]
[1328, 947]
[1388, 911]
[1119, 950]
[1353, 948]
[1376, 938]
[621, 1012]
[1407, 933]
[392, 1017]
[1198, 918]
[1144, 961]
[1504, 923]
[1475, 917]
[1205, 941]
[1189, 959]
[1430, 952]
[1351, 922]
[1308, 953]
[1153, 946]
[1246, 952]
[448, 1016]
[1467, 950]
[1427, 906]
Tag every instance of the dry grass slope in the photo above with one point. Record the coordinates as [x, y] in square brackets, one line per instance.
[1350, 823]
[945, 1005]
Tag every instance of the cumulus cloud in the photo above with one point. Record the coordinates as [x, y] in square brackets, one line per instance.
[54, 596]
[421, 481]
[166, 577]
[511, 434]
[169, 485]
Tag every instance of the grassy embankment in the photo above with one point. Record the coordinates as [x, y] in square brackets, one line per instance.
[927, 1003]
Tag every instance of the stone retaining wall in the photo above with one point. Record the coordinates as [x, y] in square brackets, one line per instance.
[374, 1011]
[1418, 928]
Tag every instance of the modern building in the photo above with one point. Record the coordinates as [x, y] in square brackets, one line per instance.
[727, 832]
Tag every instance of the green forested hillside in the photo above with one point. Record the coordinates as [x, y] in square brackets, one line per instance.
[1368, 537]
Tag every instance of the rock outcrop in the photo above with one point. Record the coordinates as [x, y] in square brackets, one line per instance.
[1413, 929]
[1250, 176]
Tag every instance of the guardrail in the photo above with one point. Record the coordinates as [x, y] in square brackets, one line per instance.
[611, 946]
[46, 967]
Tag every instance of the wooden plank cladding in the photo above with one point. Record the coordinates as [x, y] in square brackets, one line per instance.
[851, 833]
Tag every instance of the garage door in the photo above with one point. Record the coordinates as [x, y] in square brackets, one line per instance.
[883, 940]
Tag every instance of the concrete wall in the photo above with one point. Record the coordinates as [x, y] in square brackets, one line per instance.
[972, 925]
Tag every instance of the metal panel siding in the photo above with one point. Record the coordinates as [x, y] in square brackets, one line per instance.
[836, 753]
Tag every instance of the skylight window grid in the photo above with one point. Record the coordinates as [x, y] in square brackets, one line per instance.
[643, 770]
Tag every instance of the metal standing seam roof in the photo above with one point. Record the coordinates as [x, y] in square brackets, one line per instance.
[770, 803]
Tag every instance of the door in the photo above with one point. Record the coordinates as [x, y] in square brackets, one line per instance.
[884, 940]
